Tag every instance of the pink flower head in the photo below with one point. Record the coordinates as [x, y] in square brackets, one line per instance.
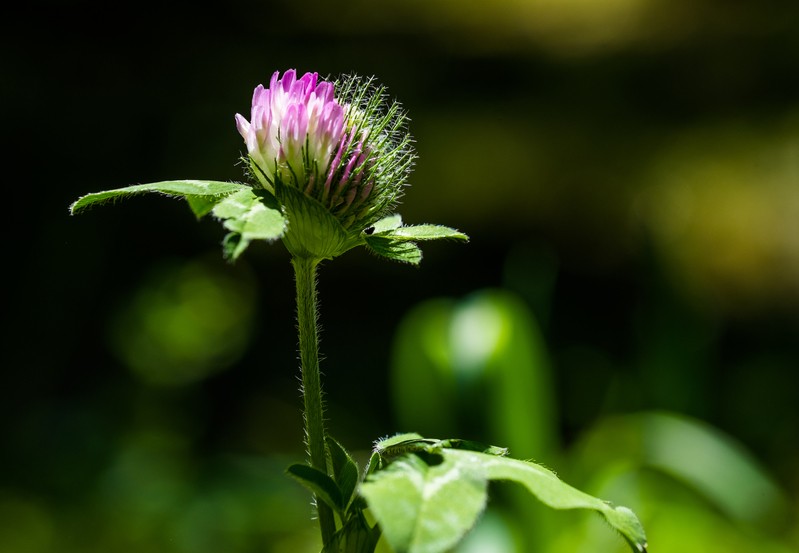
[345, 148]
[293, 130]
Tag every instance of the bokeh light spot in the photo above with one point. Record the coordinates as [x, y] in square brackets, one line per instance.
[186, 321]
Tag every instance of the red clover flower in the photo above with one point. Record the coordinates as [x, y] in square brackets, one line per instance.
[341, 143]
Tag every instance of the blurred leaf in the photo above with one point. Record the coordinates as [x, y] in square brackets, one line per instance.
[475, 367]
[695, 453]
[185, 321]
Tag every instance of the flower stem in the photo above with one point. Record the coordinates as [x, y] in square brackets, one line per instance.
[307, 311]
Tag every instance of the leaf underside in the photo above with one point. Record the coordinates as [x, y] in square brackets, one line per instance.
[249, 218]
[389, 238]
[199, 193]
[431, 495]
[249, 214]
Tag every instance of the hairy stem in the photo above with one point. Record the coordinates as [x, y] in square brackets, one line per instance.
[307, 311]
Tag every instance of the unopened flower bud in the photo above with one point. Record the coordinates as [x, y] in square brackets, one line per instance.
[341, 144]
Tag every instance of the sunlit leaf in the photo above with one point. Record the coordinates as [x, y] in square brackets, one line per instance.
[179, 188]
[246, 214]
[423, 508]
[386, 224]
[429, 497]
[550, 490]
[426, 232]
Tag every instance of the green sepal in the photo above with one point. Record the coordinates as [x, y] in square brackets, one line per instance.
[313, 232]
[196, 189]
[322, 485]
[345, 471]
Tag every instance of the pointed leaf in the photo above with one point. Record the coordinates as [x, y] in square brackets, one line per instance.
[386, 224]
[345, 471]
[422, 508]
[181, 188]
[323, 487]
[549, 489]
[426, 232]
[406, 252]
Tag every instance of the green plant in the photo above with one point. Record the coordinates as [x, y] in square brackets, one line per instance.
[328, 162]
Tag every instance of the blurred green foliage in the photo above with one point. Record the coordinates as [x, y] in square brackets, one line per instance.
[478, 368]
[627, 170]
[185, 322]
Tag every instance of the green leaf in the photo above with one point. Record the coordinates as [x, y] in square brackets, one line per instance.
[323, 487]
[549, 489]
[426, 232]
[387, 224]
[181, 188]
[422, 508]
[696, 454]
[388, 238]
[397, 444]
[345, 471]
[246, 214]
[411, 442]
[406, 252]
[202, 205]
[418, 488]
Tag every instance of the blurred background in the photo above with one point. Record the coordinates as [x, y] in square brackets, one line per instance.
[626, 313]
